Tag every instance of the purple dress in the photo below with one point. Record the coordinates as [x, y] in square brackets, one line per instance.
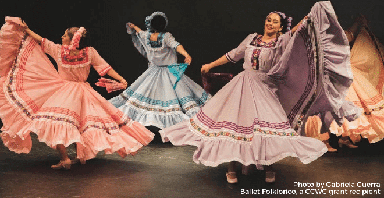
[256, 117]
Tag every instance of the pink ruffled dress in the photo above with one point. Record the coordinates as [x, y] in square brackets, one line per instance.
[59, 106]
[366, 92]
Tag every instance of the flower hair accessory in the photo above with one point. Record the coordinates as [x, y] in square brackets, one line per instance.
[148, 19]
[76, 39]
[281, 14]
[289, 23]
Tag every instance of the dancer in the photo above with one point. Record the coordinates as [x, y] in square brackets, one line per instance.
[252, 119]
[366, 91]
[162, 96]
[59, 106]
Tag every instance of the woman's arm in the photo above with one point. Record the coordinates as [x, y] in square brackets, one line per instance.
[31, 33]
[294, 29]
[137, 29]
[112, 73]
[360, 22]
[221, 61]
[182, 51]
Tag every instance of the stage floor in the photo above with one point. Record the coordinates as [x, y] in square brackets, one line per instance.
[164, 170]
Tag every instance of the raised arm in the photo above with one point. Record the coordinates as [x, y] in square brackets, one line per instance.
[294, 29]
[131, 25]
[360, 22]
[31, 33]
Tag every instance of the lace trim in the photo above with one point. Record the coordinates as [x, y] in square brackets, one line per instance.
[72, 118]
[212, 125]
[243, 137]
[144, 107]
[229, 58]
[149, 47]
[105, 71]
[74, 61]
[307, 98]
[14, 86]
[155, 44]
[182, 101]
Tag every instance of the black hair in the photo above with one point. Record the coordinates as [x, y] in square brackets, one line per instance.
[158, 23]
[283, 23]
[84, 41]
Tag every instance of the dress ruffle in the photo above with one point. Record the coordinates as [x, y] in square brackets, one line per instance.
[334, 51]
[34, 98]
[263, 149]
[10, 43]
[151, 99]
[239, 125]
[366, 126]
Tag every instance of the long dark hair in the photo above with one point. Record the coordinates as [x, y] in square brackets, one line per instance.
[84, 41]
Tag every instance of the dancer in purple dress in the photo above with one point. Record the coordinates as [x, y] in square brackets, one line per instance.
[256, 118]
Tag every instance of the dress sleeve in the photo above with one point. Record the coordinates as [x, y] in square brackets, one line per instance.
[284, 40]
[238, 53]
[142, 34]
[170, 41]
[50, 48]
[281, 45]
[100, 65]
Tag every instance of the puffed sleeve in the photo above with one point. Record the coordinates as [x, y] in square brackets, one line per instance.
[100, 65]
[238, 53]
[142, 34]
[50, 48]
[170, 41]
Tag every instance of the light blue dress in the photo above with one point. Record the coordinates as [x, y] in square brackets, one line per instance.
[154, 98]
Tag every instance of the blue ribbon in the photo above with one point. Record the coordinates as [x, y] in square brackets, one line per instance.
[177, 70]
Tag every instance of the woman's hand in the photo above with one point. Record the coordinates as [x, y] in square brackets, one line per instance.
[35, 36]
[205, 68]
[188, 59]
[131, 25]
[24, 25]
[124, 82]
[302, 21]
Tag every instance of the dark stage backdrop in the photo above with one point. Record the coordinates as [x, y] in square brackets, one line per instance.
[206, 28]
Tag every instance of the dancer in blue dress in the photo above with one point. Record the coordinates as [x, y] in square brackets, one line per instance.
[162, 96]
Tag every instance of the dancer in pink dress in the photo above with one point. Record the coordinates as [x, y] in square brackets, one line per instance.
[59, 106]
[257, 117]
[366, 92]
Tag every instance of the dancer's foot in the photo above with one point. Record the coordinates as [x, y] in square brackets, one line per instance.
[231, 177]
[63, 164]
[270, 176]
[259, 167]
[346, 142]
[76, 160]
[245, 169]
[329, 147]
